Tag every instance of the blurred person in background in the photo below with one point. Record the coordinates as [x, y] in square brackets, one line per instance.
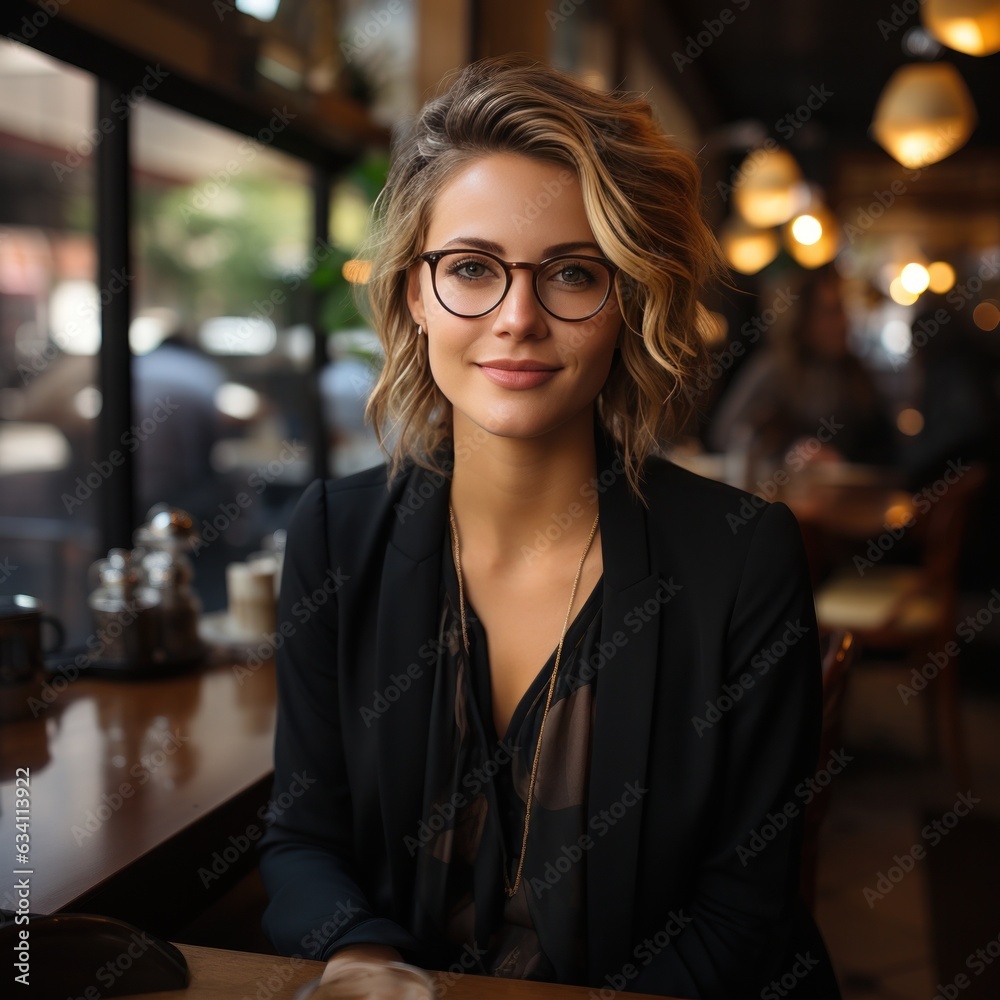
[950, 381]
[948, 384]
[345, 385]
[177, 423]
[803, 379]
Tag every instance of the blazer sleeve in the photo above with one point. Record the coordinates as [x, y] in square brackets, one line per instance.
[745, 913]
[316, 900]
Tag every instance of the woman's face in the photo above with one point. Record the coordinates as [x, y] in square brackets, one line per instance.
[520, 209]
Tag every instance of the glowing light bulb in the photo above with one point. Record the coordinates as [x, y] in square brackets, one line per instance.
[807, 229]
[915, 278]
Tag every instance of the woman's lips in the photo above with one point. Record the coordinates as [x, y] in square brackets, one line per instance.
[513, 378]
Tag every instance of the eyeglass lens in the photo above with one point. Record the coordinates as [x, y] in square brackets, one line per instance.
[472, 284]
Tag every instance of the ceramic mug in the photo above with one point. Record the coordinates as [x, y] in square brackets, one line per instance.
[21, 647]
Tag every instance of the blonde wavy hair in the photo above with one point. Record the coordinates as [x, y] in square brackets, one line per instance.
[642, 198]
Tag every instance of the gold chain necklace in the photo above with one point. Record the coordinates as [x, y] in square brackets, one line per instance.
[457, 555]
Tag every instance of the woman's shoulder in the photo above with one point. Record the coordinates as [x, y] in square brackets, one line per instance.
[331, 501]
[704, 509]
[665, 481]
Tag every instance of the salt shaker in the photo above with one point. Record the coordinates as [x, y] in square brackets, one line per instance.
[163, 545]
[125, 613]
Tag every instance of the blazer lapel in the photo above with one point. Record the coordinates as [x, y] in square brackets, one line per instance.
[409, 609]
[623, 719]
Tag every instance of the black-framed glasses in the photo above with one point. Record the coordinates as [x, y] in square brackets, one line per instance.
[471, 283]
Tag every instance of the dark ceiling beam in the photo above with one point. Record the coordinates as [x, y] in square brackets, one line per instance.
[649, 24]
[243, 110]
[652, 25]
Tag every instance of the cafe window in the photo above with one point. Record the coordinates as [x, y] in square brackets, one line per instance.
[223, 258]
[50, 471]
[221, 281]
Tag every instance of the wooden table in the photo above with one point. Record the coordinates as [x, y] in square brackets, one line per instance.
[234, 975]
[138, 784]
[852, 512]
[852, 501]
[841, 517]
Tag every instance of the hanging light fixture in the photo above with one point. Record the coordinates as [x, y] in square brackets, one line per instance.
[969, 26]
[746, 247]
[769, 189]
[924, 114]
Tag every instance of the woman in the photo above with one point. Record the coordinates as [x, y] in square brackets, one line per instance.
[528, 607]
[803, 377]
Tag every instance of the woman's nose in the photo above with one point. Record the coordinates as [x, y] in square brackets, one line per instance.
[520, 314]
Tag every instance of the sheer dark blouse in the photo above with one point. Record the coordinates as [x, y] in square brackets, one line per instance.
[474, 800]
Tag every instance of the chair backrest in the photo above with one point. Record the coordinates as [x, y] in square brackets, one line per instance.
[941, 528]
[837, 659]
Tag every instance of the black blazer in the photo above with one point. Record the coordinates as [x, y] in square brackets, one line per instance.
[708, 700]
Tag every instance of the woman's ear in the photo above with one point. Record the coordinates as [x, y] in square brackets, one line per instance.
[415, 297]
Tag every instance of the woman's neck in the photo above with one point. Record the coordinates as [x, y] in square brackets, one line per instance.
[515, 496]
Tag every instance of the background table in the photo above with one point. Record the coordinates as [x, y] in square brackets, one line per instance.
[136, 788]
[231, 975]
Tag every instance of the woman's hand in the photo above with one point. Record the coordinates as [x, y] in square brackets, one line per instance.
[371, 972]
[359, 953]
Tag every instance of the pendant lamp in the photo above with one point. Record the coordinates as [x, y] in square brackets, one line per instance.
[969, 26]
[924, 114]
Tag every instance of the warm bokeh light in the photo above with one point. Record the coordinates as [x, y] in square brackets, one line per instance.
[357, 271]
[924, 114]
[823, 247]
[807, 229]
[900, 295]
[942, 277]
[969, 26]
[986, 315]
[910, 422]
[900, 515]
[915, 278]
[746, 247]
[769, 189]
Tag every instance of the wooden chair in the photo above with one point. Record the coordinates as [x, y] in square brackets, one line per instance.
[913, 608]
[837, 658]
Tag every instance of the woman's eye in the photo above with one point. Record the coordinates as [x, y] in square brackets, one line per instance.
[573, 274]
[470, 269]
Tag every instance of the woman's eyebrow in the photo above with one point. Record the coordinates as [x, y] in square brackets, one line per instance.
[561, 248]
[476, 243]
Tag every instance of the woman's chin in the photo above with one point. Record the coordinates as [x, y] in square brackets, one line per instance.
[516, 423]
